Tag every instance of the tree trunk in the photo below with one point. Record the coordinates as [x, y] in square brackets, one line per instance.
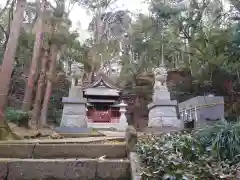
[9, 55]
[40, 90]
[53, 60]
[27, 101]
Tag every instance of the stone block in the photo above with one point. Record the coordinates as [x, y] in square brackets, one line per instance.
[16, 150]
[82, 169]
[29, 169]
[163, 111]
[114, 169]
[135, 165]
[73, 121]
[3, 170]
[74, 109]
[166, 121]
[61, 169]
[79, 150]
[160, 115]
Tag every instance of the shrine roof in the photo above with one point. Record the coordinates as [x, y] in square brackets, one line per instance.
[101, 82]
[101, 91]
[101, 87]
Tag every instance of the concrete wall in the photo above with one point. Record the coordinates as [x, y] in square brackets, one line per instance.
[209, 109]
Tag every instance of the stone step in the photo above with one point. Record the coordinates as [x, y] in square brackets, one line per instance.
[62, 150]
[63, 141]
[62, 169]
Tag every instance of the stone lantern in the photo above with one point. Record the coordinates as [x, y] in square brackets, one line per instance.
[123, 119]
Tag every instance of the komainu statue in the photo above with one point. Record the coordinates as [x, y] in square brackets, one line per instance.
[160, 78]
[77, 74]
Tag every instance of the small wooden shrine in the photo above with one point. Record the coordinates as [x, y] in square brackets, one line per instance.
[103, 102]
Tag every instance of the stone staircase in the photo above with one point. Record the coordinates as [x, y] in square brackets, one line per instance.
[63, 160]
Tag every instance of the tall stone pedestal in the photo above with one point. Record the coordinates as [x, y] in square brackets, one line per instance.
[163, 110]
[74, 110]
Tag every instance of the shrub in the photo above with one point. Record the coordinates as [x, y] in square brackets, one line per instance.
[17, 116]
[180, 156]
[223, 139]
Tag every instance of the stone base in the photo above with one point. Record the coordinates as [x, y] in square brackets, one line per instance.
[116, 126]
[164, 113]
[74, 113]
[73, 121]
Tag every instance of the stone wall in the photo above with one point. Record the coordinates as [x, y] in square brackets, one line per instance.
[205, 109]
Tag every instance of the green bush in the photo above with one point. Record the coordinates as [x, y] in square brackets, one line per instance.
[17, 116]
[223, 139]
[180, 156]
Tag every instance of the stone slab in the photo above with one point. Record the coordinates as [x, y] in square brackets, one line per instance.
[103, 125]
[29, 169]
[62, 150]
[74, 169]
[16, 150]
[61, 141]
[72, 132]
[112, 169]
[79, 150]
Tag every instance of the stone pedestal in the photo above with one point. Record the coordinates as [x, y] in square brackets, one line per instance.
[74, 109]
[162, 110]
[74, 113]
[163, 113]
